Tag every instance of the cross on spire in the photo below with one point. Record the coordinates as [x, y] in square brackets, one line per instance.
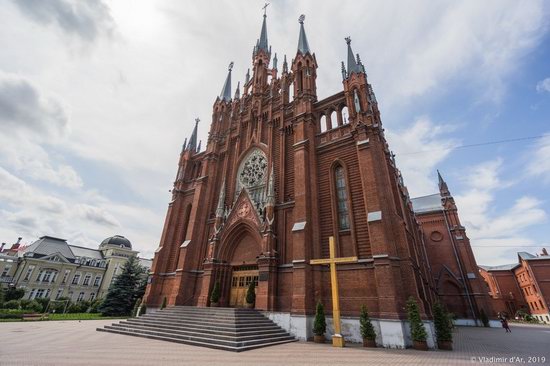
[265, 9]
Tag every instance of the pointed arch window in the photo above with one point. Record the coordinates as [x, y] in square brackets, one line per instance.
[342, 198]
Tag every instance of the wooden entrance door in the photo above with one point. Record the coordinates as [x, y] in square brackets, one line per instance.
[242, 276]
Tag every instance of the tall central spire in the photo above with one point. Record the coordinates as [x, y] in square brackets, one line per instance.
[262, 43]
[303, 46]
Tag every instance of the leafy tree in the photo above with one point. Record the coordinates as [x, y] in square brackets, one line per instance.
[442, 323]
[43, 301]
[33, 306]
[250, 293]
[12, 304]
[127, 287]
[367, 329]
[14, 293]
[320, 323]
[418, 332]
[216, 293]
[2, 296]
[94, 306]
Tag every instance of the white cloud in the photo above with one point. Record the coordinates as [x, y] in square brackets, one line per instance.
[86, 19]
[24, 107]
[488, 227]
[539, 160]
[419, 150]
[543, 85]
[133, 97]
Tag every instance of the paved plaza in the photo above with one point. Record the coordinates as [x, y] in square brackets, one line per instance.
[62, 343]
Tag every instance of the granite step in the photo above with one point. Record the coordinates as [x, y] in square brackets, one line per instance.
[221, 328]
[199, 343]
[204, 329]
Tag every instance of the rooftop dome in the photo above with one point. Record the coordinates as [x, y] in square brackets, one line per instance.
[118, 240]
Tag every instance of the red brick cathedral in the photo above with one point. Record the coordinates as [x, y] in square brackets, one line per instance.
[284, 171]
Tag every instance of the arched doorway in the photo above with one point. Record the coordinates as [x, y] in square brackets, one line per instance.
[244, 247]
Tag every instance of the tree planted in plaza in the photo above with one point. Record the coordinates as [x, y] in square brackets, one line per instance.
[367, 329]
[320, 323]
[418, 332]
[126, 289]
[442, 323]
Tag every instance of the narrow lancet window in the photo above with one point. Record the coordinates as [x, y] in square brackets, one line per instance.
[342, 196]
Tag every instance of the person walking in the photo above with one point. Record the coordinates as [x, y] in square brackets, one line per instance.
[505, 325]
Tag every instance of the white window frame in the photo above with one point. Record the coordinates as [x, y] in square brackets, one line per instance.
[76, 277]
[87, 279]
[30, 270]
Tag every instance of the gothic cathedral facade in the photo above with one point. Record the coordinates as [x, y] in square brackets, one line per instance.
[282, 172]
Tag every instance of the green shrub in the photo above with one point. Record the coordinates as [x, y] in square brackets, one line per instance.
[32, 306]
[14, 293]
[251, 293]
[320, 323]
[367, 329]
[216, 293]
[418, 332]
[94, 306]
[12, 304]
[484, 318]
[441, 323]
[43, 301]
[163, 305]
[2, 296]
[13, 311]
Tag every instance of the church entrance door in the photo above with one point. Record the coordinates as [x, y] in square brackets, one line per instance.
[241, 279]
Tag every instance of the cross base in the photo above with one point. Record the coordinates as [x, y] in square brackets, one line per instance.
[338, 341]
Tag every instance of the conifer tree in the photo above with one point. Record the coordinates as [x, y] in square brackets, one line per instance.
[320, 323]
[418, 332]
[367, 329]
[126, 289]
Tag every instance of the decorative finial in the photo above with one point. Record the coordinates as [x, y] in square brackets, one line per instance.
[301, 19]
[265, 9]
[231, 66]
[197, 120]
[348, 39]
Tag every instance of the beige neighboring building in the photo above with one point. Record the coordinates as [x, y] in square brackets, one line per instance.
[52, 268]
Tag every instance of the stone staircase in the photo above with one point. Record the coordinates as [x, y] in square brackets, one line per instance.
[221, 328]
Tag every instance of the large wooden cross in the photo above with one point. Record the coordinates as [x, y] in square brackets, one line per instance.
[337, 338]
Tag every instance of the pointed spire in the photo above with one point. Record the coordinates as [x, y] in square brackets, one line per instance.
[443, 188]
[262, 42]
[353, 67]
[199, 147]
[238, 91]
[247, 78]
[221, 201]
[285, 65]
[184, 144]
[275, 61]
[303, 46]
[192, 145]
[225, 94]
[344, 73]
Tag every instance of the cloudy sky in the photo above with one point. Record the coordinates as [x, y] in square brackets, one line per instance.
[96, 98]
